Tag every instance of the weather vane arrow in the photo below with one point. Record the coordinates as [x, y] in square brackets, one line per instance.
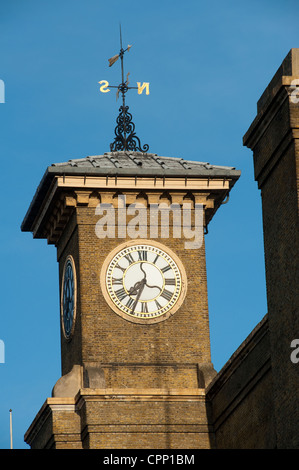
[125, 137]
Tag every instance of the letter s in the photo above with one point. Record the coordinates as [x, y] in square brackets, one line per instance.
[104, 88]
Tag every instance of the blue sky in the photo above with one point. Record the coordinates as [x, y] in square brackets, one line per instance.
[207, 64]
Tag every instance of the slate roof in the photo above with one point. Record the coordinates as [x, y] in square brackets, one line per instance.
[142, 163]
[125, 163]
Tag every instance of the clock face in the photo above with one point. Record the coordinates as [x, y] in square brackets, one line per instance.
[144, 282]
[68, 297]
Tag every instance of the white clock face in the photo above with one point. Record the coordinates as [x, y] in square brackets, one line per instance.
[144, 283]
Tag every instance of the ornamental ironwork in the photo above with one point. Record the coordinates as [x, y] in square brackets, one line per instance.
[125, 136]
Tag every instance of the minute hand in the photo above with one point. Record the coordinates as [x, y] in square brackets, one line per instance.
[153, 287]
[144, 279]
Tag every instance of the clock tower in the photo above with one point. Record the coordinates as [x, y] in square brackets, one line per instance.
[135, 347]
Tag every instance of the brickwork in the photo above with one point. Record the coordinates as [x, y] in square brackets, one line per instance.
[56, 426]
[241, 396]
[126, 419]
[157, 386]
[273, 137]
[71, 353]
[119, 342]
[158, 419]
[170, 356]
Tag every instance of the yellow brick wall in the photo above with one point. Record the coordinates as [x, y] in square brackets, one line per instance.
[103, 337]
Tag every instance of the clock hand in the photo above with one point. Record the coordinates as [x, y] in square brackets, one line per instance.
[142, 270]
[137, 284]
[134, 289]
[145, 279]
[141, 287]
[153, 287]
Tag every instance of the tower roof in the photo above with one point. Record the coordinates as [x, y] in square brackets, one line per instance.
[140, 163]
[125, 163]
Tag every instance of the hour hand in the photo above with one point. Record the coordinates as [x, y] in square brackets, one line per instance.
[137, 286]
[141, 287]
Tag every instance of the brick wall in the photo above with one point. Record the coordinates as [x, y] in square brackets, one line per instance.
[102, 337]
[273, 137]
[241, 396]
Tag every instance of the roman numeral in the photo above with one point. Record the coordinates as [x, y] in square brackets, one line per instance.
[170, 282]
[142, 255]
[166, 294]
[130, 302]
[117, 282]
[120, 267]
[158, 305]
[156, 259]
[129, 258]
[166, 268]
[121, 293]
[144, 308]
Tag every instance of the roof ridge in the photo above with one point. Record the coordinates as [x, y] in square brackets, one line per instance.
[126, 159]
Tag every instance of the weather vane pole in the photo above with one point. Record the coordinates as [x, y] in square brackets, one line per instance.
[125, 137]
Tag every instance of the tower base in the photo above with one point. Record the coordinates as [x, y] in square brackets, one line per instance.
[124, 418]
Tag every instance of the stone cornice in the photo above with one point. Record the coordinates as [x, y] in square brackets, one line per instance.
[66, 193]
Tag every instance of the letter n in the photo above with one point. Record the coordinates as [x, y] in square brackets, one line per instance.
[145, 85]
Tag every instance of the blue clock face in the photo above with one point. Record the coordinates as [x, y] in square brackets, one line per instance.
[68, 297]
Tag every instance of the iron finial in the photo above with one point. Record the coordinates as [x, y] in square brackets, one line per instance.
[125, 136]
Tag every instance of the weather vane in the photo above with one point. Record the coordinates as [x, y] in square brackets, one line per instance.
[125, 137]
